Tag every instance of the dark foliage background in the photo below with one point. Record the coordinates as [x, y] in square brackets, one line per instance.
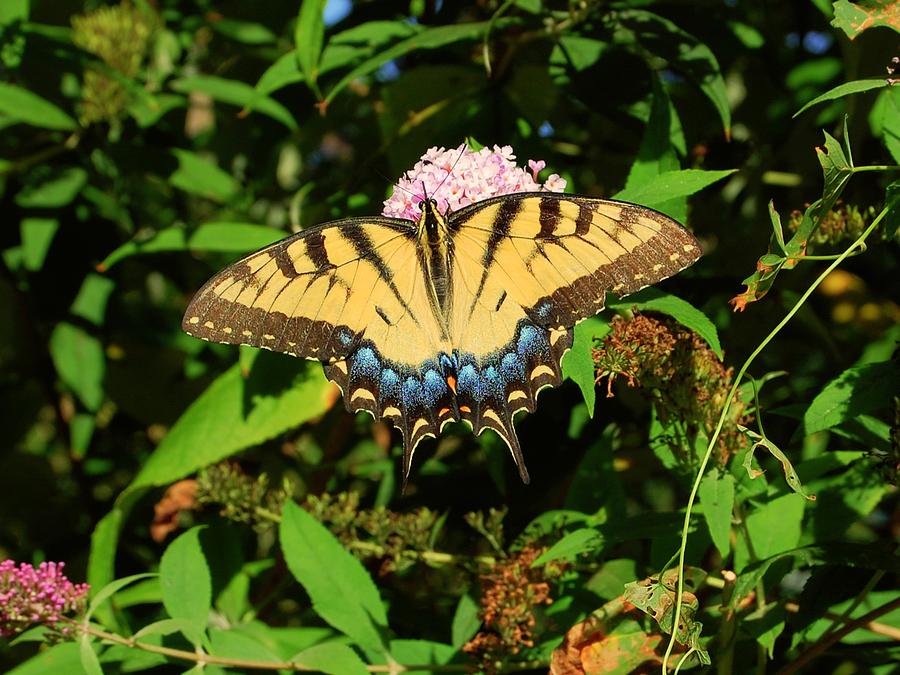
[147, 145]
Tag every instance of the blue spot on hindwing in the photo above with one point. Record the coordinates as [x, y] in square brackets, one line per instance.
[434, 387]
[365, 364]
[468, 382]
[390, 384]
[412, 392]
[531, 341]
[512, 368]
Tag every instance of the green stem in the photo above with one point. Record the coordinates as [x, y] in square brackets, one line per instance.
[875, 167]
[728, 401]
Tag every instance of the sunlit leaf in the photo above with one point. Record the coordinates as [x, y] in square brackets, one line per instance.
[466, 621]
[26, 107]
[200, 176]
[309, 34]
[186, 583]
[670, 185]
[80, 362]
[37, 236]
[341, 590]
[845, 89]
[855, 17]
[53, 191]
[236, 93]
[578, 363]
[717, 499]
[858, 390]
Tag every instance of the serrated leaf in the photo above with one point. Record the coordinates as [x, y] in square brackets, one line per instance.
[214, 237]
[332, 658]
[578, 362]
[857, 391]
[845, 89]
[186, 583]
[717, 498]
[466, 621]
[652, 300]
[341, 590]
[80, 362]
[200, 176]
[309, 34]
[21, 105]
[237, 412]
[855, 17]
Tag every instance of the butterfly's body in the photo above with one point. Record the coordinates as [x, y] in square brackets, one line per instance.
[464, 317]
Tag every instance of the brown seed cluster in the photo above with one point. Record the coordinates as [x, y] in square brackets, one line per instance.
[842, 223]
[511, 593]
[678, 371]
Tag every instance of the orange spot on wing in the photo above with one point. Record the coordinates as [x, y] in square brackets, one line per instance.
[443, 411]
[451, 382]
[465, 409]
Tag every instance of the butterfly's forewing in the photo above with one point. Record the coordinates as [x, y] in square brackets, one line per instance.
[527, 268]
[351, 294]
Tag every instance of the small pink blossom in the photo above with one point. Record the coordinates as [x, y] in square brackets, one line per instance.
[457, 177]
[31, 596]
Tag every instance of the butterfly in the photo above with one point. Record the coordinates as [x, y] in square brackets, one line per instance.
[457, 316]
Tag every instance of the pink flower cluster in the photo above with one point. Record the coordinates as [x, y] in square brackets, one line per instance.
[31, 596]
[459, 176]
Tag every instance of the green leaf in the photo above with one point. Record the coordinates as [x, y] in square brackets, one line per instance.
[341, 590]
[596, 484]
[21, 105]
[13, 10]
[892, 204]
[855, 17]
[717, 498]
[309, 34]
[64, 657]
[430, 38]
[578, 362]
[246, 32]
[214, 237]
[845, 89]
[837, 168]
[236, 93]
[110, 589]
[90, 664]
[237, 412]
[235, 644]
[582, 52]
[93, 296]
[200, 176]
[684, 52]
[53, 191]
[765, 625]
[773, 528]
[573, 544]
[652, 300]
[857, 391]
[186, 584]
[656, 154]
[884, 119]
[846, 554]
[466, 621]
[670, 185]
[163, 627]
[332, 658]
[37, 235]
[80, 363]
[790, 475]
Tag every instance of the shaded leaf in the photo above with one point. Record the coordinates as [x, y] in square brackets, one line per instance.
[236, 93]
[246, 32]
[236, 412]
[573, 544]
[790, 475]
[857, 391]
[652, 300]
[845, 89]
[21, 105]
[80, 362]
[37, 235]
[717, 498]
[773, 527]
[466, 621]
[200, 176]
[341, 590]
[578, 362]
[215, 237]
[53, 191]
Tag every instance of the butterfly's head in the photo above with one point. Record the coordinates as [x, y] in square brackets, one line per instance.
[432, 224]
[427, 204]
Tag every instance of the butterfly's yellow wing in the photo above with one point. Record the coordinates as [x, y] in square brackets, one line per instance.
[527, 268]
[464, 318]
